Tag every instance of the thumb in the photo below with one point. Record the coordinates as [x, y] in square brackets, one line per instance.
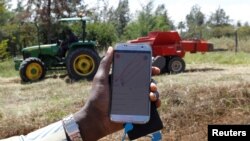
[105, 64]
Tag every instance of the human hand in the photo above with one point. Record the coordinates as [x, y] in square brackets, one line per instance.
[93, 119]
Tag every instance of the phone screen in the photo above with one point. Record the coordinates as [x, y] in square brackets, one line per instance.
[131, 82]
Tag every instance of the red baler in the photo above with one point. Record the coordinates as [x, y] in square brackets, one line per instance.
[169, 49]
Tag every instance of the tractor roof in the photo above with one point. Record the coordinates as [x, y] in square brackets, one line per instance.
[75, 19]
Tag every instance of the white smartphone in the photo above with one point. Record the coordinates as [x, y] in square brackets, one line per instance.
[130, 83]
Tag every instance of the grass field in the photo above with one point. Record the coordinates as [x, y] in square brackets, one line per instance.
[7, 68]
[215, 88]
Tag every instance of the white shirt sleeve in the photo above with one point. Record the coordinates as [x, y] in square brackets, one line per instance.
[52, 132]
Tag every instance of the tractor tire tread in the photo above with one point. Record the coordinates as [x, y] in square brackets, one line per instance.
[72, 55]
[24, 65]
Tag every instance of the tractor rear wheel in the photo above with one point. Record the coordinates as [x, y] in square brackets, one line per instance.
[32, 69]
[176, 65]
[82, 63]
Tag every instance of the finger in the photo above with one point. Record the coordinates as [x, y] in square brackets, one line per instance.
[158, 103]
[157, 94]
[105, 63]
[155, 71]
[152, 97]
[153, 87]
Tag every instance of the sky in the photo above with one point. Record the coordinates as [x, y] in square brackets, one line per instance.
[178, 9]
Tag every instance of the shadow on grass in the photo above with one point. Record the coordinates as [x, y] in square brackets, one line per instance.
[195, 70]
[64, 77]
[202, 70]
[50, 76]
[61, 76]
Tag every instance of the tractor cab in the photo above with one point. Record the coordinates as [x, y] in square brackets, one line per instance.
[77, 25]
[81, 59]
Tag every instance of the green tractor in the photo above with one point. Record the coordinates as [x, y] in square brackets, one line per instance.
[81, 60]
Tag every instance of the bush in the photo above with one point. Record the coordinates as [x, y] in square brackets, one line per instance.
[104, 33]
[3, 49]
[223, 43]
[244, 32]
[221, 31]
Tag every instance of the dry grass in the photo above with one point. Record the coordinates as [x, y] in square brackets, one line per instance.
[229, 43]
[31, 106]
[192, 100]
[204, 94]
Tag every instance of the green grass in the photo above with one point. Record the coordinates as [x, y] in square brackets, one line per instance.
[228, 58]
[7, 68]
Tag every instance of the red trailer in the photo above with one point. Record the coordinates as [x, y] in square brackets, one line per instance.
[169, 49]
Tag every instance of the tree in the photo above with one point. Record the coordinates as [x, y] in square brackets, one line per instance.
[7, 28]
[44, 9]
[181, 26]
[162, 20]
[246, 24]
[195, 17]
[4, 14]
[102, 14]
[3, 49]
[121, 16]
[103, 33]
[148, 20]
[219, 23]
[5, 17]
[219, 18]
[195, 20]
[239, 24]
[143, 24]
[47, 11]
[244, 31]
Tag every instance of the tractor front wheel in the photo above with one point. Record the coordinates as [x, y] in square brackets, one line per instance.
[176, 65]
[82, 63]
[32, 69]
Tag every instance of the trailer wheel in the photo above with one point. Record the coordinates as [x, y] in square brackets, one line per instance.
[166, 69]
[32, 69]
[176, 65]
[82, 63]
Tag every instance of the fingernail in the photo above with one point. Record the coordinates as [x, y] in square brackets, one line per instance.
[109, 50]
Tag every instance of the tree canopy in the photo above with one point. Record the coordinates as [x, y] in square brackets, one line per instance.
[108, 25]
[195, 20]
[219, 18]
[149, 20]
